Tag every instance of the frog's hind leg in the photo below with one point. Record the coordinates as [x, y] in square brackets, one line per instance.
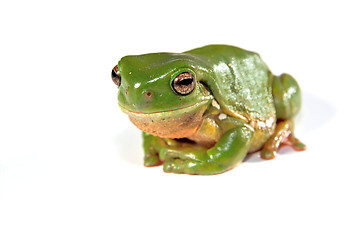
[283, 134]
[287, 101]
[286, 95]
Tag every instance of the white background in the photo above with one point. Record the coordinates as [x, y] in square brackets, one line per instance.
[71, 162]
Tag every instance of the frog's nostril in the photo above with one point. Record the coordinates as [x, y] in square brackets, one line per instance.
[148, 94]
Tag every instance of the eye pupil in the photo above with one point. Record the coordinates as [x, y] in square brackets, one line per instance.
[116, 76]
[186, 81]
[183, 83]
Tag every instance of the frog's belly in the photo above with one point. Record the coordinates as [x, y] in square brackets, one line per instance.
[260, 138]
[209, 133]
[263, 130]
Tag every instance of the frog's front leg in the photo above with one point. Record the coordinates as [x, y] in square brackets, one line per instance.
[152, 146]
[228, 152]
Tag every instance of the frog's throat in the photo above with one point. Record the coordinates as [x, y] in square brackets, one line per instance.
[178, 123]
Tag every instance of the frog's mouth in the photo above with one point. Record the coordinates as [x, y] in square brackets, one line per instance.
[177, 123]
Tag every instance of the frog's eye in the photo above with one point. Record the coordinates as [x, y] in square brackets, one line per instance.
[116, 76]
[183, 83]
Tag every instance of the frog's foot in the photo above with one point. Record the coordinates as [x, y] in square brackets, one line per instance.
[189, 160]
[152, 145]
[282, 135]
[181, 166]
[192, 167]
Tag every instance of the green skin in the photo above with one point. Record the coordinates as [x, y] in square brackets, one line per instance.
[237, 106]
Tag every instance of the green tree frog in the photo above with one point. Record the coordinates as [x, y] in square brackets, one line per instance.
[202, 111]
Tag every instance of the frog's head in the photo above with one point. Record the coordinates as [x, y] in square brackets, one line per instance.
[162, 93]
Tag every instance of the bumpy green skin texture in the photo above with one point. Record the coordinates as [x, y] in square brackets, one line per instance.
[250, 98]
[239, 80]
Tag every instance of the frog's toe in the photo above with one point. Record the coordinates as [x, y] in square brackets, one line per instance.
[170, 153]
[267, 154]
[152, 161]
[296, 143]
[299, 146]
[173, 165]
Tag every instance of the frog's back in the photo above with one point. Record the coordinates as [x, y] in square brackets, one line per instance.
[241, 83]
